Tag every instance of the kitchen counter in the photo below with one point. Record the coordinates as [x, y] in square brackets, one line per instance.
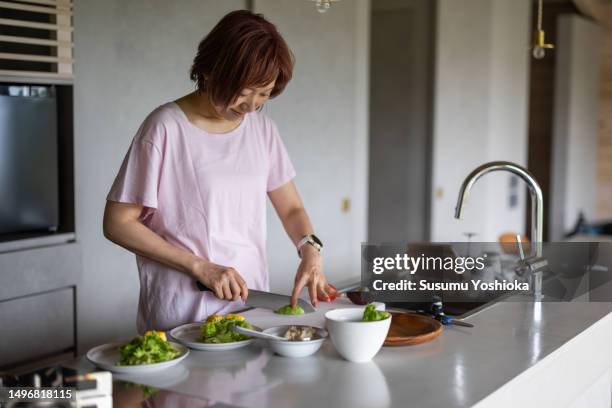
[518, 354]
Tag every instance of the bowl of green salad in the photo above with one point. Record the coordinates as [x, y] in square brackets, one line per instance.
[149, 352]
[214, 334]
[358, 333]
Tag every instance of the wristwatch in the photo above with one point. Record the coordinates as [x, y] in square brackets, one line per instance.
[311, 239]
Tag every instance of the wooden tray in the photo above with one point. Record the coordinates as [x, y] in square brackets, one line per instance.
[408, 329]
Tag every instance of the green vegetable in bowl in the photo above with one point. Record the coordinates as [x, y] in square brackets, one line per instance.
[218, 329]
[370, 314]
[148, 349]
[288, 310]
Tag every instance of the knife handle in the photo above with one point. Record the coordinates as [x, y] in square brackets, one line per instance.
[202, 287]
[446, 320]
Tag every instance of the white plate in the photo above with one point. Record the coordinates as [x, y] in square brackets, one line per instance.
[188, 334]
[168, 377]
[106, 355]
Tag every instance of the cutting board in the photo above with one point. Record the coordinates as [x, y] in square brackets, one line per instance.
[408, 329]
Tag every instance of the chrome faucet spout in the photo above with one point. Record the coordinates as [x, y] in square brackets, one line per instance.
[537, 198]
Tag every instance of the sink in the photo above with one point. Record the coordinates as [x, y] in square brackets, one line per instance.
[459, 309]
[456, 309]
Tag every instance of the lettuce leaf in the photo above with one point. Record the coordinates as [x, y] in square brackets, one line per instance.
[220, 331]
[370, 314]
[147, 349]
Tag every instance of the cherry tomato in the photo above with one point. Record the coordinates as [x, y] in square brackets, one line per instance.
[332, 292]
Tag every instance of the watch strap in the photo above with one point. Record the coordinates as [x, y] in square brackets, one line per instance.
[309, 239]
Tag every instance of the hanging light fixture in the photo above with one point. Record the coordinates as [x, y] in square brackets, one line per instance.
[539, 42]
[323, 5]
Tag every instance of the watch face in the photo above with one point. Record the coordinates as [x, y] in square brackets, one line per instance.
[317, 240]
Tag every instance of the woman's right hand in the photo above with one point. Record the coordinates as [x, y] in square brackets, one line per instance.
[225, 282]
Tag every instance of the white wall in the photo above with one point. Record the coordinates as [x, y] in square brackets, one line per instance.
[322, 117]
[480, 113]
[508, 112]
[131, 56]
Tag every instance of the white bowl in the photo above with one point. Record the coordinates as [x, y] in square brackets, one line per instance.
[353, 338]
[288, 348]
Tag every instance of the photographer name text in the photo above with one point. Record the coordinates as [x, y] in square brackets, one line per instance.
[474, 284]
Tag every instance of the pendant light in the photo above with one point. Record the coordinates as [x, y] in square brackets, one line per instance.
[539, 42]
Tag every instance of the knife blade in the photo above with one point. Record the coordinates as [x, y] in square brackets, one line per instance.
[267, 300]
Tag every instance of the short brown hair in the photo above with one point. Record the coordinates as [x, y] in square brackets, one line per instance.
[243, 50]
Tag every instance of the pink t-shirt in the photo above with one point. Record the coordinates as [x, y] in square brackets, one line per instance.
[205, 193]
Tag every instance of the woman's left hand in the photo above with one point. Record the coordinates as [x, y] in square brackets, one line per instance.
[310, 274]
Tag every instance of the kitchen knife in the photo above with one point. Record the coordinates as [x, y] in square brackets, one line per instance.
[446, 320]
[267, 300]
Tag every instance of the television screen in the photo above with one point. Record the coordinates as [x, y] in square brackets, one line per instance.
[28, 159]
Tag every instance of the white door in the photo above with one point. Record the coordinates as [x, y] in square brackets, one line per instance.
[574, 156]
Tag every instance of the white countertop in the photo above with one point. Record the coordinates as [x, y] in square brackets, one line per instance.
[513, 344]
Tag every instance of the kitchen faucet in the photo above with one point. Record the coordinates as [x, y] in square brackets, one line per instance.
[537, 263]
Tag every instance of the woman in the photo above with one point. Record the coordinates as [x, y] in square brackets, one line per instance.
[190, 197]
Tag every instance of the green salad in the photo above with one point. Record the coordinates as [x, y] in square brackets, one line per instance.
[218, 329]
[148, 349]
[288, 310]
[370, 314]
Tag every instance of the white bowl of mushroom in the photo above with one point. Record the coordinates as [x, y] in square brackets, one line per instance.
[299, 340]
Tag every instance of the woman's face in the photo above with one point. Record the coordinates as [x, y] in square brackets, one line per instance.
[249, 100]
